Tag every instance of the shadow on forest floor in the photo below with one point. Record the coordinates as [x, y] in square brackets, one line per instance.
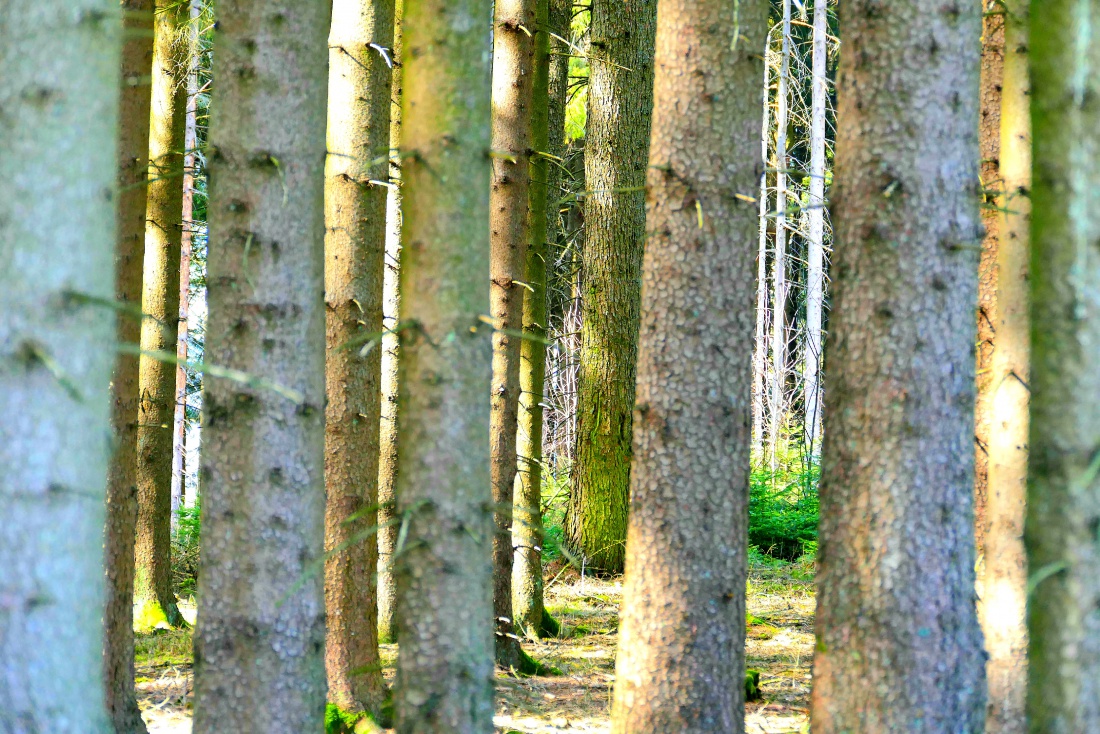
[780, 645]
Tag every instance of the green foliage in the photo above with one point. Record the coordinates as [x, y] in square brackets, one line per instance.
[752, 685]
[158, 648]
[783, 510]
[185, 551]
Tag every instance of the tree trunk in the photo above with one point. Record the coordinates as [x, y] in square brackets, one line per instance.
[259, 646]
[122, 507]
[60, 86]
[444, 498]
[681, 661]
[355, 252]
[760, 341]
[898, 642]
[551, 82]
[160, 300]
[778, 406]
[1063, 514]
[1003, 588]
[620, 104]
[391, 354]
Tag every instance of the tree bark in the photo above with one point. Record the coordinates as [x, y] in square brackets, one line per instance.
[681, 656]
[159, 331]
[760, 342]
[355, 251]
[620, 104]
[58, 146]
[778, 404]
[1004, 584]
[548, 134]
[898, 642]
[444, 498]
[1063, 513]
[259, 646]
[122, 503]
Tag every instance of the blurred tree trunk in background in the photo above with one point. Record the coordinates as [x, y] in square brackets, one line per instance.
[898, 642]
[58, 169]
[682, 641]
[259, 646]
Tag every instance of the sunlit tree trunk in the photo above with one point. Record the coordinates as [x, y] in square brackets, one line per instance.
[681, 650]
[620, 103]
[444, 498]
[260, 642]
[760, 343]
[58, 167]
[898, 642]
[356, 172]
[1063, 502]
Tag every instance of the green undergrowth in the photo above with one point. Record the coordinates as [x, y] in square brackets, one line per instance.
[338, 721]
[783, 508]
[185, 551]
[161, 648]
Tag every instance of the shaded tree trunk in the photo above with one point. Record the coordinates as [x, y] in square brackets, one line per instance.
[159, 332]
[1063, 511]
[620, 104]
[898, 642]
[760, 341]
[681, 661]
[444, 498]
[778, 405]
[259, 646]
[122, 503]
[355, 253]
[58, 143]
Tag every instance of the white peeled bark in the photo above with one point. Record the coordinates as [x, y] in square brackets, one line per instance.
[779, 262]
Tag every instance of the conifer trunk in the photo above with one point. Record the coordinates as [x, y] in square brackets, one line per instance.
[778, 405]
[122, 507]
[260, 642]
[58, 167]
[159, 332]
[444, 498]
[681, 655]
[357, 167]
[760, 342]
[898, 642]
[620, 103]
[1063, 511]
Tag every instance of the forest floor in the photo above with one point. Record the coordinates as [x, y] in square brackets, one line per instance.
[780, 646]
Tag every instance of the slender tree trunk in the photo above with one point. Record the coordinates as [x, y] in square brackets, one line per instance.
[1004, 586]
[160, 300]
[58, 142]
[815, 245]
[133, 166]
[444, 498]
[1063, 513]
[898, 642]
[778, 406]
[681, 661]
[391, 354]
[548, 132]
[760, 343]
[620, 104]
[355, 252]
[259, 646]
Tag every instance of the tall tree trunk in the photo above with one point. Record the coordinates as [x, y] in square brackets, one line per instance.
[391, 354]
[259, 646]
[133, 167]
[620, 104]
[1004, 585]
[355, 252]
[898, 642]
[160, 300]
[760, 341]
[778, 406]
[681, 661]
[514, 29]
[444, 499]
[58, 142]
[551, 82]
[1063, 513]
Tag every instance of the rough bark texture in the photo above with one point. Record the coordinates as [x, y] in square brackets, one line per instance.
[444, 500]
[898, 642]
[1063, 503]
[391, 353]
[680, 668]
[620, 101]
[1003, 586]
[355, 250]
[547, 134]
[59, 95]
[133, 164]
[160, 300]
[259, 646]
